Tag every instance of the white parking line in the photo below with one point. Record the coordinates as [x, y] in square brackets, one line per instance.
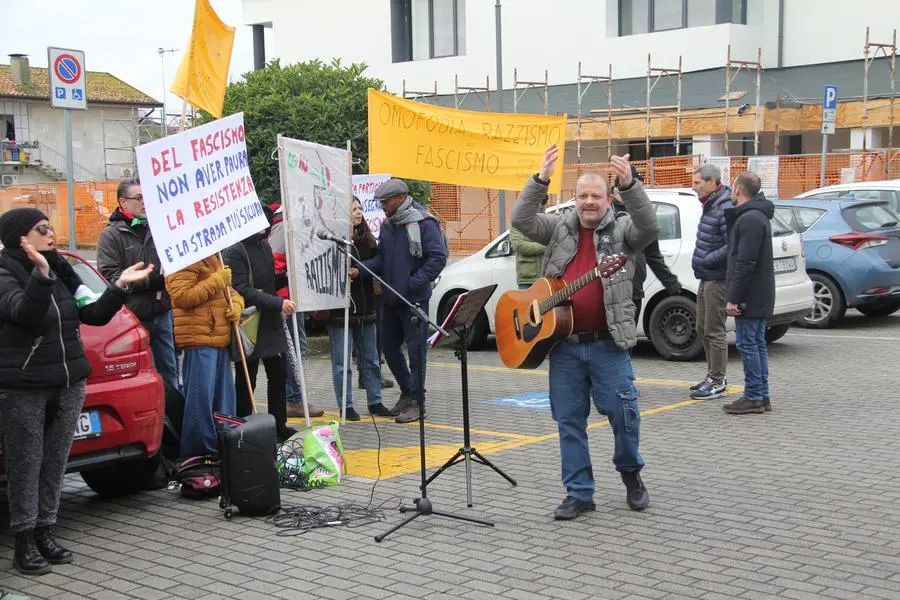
[846, 337]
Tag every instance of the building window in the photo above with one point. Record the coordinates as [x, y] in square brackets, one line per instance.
[647, 16]
[424, 29]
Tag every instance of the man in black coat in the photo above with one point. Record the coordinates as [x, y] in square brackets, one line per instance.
[750, 288]
[650, 257]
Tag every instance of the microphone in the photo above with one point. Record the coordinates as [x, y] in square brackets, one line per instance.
[324, 235]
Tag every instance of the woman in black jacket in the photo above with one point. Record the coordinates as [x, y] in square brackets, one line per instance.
[363, 335]
[253, 277]
[43, 369]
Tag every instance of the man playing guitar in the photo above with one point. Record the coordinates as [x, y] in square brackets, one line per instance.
[594, 363]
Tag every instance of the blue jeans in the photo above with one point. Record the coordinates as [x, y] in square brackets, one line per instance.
[292, 391]
[362, 338]
[397, 327]
[209, 387]
[524, 286]
[751, 341]
[580, 372]
[162, 345]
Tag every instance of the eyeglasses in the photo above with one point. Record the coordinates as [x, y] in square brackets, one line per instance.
[139, 198]
[43, 229]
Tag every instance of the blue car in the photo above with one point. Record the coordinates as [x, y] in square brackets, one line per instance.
[852, 250]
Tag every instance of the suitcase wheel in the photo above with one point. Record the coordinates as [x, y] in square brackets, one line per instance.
[228, 513]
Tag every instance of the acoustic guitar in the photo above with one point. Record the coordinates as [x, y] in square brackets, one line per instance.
[530, 322]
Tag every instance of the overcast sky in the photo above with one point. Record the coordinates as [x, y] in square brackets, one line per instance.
[118, 36]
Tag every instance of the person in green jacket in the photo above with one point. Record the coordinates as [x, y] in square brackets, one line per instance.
[529, 256]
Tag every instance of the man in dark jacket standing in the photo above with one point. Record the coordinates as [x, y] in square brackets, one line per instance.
[650, 257]
[751, 288]
[411, 254]
[125, 241]
[710, 265]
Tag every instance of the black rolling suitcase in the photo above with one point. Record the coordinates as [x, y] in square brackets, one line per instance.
[249, 473]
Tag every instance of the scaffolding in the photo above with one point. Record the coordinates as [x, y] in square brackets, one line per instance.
[531, 85]
[729, 79]
[481, 93]
[660, 73]
[875, 48]
[420, 96]
[582, 90]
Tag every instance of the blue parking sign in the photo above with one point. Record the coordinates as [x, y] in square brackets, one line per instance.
[830, 99]
[60, 93]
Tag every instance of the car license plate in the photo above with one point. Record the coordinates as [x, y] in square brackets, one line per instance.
[88, 425]
[785, 265]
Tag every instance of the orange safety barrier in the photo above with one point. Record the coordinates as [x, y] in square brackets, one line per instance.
[94, 202]
[471, 216]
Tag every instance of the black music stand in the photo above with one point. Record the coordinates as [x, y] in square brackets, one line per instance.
[458, 326]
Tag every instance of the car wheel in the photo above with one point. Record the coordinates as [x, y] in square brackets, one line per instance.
[876, 311]
[829, 307]
[673, 329]
[113, 481]
[775, 333]
[477, 337]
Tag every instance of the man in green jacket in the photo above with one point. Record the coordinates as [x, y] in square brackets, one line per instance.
[528, 257]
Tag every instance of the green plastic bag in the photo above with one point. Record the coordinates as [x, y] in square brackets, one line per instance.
[323, 455]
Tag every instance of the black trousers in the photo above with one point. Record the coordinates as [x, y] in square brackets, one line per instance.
[276, 372]
[637, 309]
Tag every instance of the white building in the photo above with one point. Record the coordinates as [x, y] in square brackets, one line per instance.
[417, 46]
[33, 133]
[426, 40]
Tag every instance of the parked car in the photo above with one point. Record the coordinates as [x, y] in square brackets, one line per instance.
[669, 322]
[852, 255]
[863, 190]
[119, 432]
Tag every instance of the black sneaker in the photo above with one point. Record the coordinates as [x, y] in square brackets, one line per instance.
[352, 415]
[285, 433]
[571, 507]
[699, 384]
[636, 494]
[379, 410]
[743, 406]
[710, 389]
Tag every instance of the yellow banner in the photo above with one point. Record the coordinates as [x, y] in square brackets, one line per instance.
[445, 145]
[203, 73]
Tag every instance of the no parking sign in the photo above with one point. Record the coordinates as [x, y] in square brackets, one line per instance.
[67, 78]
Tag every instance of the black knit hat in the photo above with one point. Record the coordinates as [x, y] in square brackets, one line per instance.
[18, 222]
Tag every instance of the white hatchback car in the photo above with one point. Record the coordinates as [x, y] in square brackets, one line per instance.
[862, 190]
[668, 321]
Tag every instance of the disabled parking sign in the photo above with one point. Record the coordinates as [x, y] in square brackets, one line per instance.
[68, 79]
[532, 400]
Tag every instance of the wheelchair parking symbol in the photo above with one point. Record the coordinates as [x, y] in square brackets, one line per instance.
[76, 93]
[532, 400]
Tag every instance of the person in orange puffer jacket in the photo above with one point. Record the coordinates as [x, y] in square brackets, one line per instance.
[204, 320]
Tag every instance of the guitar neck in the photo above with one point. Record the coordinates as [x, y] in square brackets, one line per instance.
[565, 294]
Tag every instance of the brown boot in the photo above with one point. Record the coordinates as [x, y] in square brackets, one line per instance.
[410, 414]
[295, 410]
[744, 406]
[404, 402]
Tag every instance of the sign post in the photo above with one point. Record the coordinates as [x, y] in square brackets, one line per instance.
[829, 117]
[68, 90]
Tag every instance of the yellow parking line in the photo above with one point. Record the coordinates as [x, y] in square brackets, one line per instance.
[403, 460]
[487, 369]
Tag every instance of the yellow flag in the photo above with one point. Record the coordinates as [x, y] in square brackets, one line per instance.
[203, 73]
[446, 145]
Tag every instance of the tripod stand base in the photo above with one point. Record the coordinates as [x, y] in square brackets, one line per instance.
[423, 507]
[467, 454]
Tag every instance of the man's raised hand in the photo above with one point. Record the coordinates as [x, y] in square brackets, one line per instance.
[622, 168]
[548, 166]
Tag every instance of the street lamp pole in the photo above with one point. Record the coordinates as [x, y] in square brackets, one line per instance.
[501, 200]
[164, 129]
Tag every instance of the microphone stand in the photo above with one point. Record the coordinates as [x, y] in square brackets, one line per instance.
[421, 506]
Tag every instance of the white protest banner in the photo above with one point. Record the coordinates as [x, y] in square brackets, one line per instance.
[364, 187]
[724, 164]
[198, 192]
[766, 168]
[316, 191]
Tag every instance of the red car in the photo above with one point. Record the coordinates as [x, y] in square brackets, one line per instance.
[119, 433]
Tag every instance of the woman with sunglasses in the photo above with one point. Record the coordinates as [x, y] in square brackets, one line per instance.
[43, 369]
